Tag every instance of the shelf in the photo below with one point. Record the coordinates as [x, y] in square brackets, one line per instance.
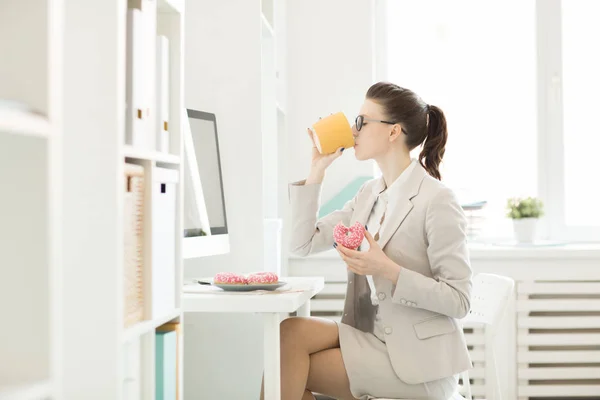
[142, 154]
[19, 121]
[32, 391]
[170, 6]
[143, 327]
[267, 30]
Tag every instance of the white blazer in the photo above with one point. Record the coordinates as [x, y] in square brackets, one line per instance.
[426, 235]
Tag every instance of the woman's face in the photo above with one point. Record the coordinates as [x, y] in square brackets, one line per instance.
[374, 138]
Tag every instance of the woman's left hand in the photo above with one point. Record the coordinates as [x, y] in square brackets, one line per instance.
[371, 262]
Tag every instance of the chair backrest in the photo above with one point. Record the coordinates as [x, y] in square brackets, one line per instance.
[489, 298]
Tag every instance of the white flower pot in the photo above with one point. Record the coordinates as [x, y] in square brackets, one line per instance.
[525, 229]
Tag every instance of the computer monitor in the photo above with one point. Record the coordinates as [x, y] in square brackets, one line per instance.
[206, 231]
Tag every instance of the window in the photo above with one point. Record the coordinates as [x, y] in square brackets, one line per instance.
[483, 64]
[581, 89]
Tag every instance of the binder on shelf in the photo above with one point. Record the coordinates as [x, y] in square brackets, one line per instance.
[168, 327]
[162, 94]
[166, 365]
[164, 196]
[139, 79]
[149, 69]
[136, 114]
[133, 213]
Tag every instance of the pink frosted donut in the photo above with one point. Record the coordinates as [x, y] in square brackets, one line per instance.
[349, 237]
[229, 278]
[262, 278]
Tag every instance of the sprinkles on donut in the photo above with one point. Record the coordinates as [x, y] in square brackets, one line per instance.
[262, 278]
[230, 278]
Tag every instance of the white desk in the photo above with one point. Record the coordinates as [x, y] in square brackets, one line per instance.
[294, 297]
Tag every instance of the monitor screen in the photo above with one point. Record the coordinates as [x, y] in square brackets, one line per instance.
[205, 197]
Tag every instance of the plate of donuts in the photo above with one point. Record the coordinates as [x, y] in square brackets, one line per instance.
[247, 282]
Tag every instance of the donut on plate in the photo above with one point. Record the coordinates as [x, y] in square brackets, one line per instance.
[262, 278]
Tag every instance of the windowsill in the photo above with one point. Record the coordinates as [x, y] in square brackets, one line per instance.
[543, 249]
[506, 250]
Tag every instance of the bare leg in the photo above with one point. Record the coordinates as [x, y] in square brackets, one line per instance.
[301, 337]
[328, 375]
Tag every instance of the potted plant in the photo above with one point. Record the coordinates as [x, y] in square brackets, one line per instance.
[525, 213]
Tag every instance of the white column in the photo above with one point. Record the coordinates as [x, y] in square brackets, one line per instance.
[94, 123]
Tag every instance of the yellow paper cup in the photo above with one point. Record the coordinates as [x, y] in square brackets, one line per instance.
[332, 132]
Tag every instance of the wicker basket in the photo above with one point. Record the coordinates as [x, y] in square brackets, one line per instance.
[134, 239]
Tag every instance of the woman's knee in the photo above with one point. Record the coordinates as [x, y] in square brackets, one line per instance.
[309, 334]
[290, 331]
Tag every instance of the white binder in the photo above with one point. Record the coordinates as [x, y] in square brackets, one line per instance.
[140, 50]
[164, 196]
[162, 94]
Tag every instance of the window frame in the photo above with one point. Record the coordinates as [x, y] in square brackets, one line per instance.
[551, 179]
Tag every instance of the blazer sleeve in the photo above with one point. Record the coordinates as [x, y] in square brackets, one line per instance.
[449, 291]
[310, 235]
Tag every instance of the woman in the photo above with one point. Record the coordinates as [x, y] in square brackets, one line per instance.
[399, 336]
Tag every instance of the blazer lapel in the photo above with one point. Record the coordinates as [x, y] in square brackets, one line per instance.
[403, 206]
[394, 220]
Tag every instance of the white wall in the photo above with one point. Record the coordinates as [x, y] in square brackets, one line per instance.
[222, 72]
[329, 68]
[324, 75]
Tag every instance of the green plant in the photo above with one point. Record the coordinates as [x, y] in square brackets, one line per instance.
[529, 207]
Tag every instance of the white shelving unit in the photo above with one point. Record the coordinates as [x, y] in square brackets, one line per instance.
[30, 153]
[98, 51]
[274, 132]
[23, 122]
[280, 15]
[101, 153]
[63, 103]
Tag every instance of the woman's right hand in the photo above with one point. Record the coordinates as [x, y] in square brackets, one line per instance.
[320, 162]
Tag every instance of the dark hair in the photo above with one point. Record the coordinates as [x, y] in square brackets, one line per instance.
[422, 123]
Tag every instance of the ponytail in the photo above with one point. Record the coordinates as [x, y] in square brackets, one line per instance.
[422, 124]
[435, 142]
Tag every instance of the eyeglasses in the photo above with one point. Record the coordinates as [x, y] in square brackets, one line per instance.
[360, 121]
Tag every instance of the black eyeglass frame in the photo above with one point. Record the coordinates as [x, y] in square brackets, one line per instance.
[360, 120]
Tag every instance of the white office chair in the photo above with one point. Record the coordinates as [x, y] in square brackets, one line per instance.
[489, 299]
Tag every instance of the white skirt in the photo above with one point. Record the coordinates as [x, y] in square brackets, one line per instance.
[371, 374]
